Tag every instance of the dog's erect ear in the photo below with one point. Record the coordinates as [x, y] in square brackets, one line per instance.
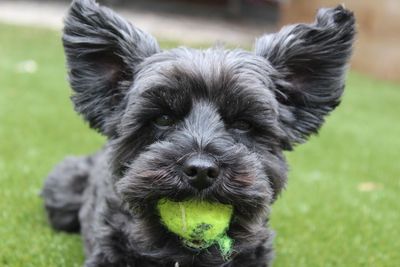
[311, 61]
[103, 51]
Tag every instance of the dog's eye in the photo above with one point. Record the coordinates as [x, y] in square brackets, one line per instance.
[241, 126]
[164, 121]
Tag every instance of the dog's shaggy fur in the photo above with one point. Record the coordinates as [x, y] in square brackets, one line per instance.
[237, 109]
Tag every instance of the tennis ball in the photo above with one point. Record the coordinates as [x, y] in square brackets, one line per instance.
[199, 223]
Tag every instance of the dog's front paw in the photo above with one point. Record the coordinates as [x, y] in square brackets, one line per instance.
[99, 259]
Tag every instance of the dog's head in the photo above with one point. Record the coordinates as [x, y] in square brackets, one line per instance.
[211, 124]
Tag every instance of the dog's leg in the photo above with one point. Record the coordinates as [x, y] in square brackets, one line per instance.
[99, 260]
[62, 192]
[261, 256]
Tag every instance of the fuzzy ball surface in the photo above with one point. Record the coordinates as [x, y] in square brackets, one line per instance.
[199, 223]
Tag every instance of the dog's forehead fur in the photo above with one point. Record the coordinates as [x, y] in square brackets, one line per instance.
[224, 77]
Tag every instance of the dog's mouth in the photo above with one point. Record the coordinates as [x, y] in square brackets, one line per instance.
[214, 220]
[142, 196]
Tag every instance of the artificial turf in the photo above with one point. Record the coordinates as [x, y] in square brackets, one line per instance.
[341, 206]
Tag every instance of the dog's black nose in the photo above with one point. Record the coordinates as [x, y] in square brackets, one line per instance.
[201, 171]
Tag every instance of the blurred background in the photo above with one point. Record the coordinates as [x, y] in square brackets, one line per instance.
[238, 22]
[341, 207]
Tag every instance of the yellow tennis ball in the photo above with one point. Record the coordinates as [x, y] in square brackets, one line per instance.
[199, 223]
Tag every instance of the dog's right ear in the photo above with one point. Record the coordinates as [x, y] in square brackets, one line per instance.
[311, 62]
[103, 51]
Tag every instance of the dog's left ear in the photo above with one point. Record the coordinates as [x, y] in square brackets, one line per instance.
[103, 52]
[311, 63]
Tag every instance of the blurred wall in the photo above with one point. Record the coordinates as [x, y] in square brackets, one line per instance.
[377, 49]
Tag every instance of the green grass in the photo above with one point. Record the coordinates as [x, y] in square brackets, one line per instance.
[322, 219]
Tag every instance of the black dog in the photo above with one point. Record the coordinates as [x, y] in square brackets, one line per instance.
[186, 123]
